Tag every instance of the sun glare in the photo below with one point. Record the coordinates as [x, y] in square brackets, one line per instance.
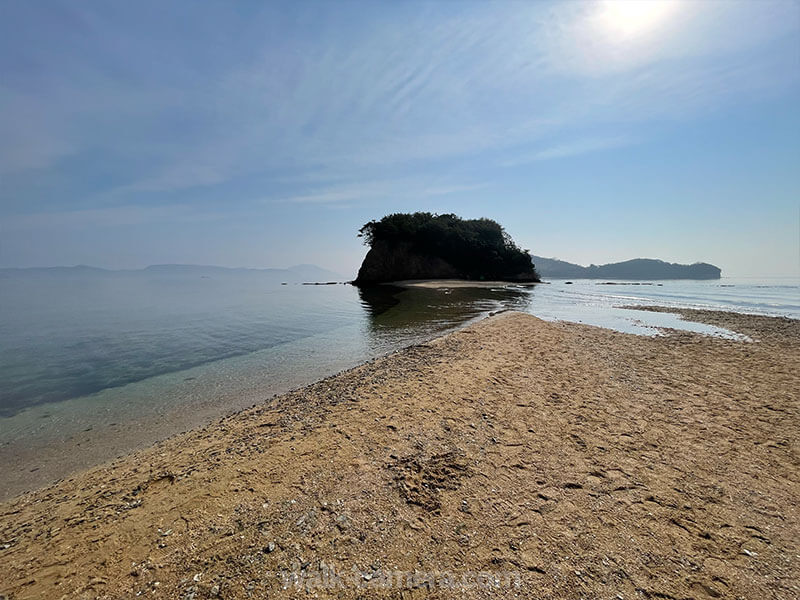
[635, 17]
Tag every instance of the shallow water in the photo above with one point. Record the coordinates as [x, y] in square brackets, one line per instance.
[91, 367]
[599, 302]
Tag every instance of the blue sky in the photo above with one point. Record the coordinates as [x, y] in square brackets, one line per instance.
[263, 134]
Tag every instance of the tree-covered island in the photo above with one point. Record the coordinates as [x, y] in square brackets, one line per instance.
[423, 245]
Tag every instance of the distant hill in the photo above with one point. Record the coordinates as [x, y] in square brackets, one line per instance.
[296, 274]
[315, 273]
[638, 268]
[77, 270]
[423, 245]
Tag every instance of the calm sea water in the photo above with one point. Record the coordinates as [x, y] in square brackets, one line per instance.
[595, 302]
[93, 366]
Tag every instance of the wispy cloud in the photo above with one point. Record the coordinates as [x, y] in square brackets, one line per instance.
[480, 81]
[329, 197]
[374, 191]
[446, 190]
[569, 149]
[97, 217]
[474, 83]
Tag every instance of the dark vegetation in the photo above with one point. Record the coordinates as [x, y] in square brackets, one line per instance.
[423, 245]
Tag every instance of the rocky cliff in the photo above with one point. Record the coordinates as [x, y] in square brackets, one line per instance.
[398, 261]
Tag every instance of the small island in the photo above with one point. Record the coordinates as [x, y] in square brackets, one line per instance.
[423, 245]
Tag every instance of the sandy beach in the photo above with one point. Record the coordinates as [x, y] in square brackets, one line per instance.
[515, 458]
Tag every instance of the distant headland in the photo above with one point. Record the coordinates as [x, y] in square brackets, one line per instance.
[427, 246]
[638, 268]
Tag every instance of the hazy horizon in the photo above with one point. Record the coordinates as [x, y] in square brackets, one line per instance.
[254, 135]
[339, 274]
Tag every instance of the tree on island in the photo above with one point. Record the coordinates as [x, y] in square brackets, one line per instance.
[424, 245]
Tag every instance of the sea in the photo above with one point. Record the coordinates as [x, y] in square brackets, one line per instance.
[94, 366]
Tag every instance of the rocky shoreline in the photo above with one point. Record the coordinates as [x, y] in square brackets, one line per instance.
[513, 458]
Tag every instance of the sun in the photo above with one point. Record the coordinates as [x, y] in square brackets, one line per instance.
[634, 17]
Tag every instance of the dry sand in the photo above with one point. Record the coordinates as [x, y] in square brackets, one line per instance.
[568, 461]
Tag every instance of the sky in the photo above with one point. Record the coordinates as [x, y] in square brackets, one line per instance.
[256, 134]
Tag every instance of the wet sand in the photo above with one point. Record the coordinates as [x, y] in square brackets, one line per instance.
[462, 283]
[528, 459]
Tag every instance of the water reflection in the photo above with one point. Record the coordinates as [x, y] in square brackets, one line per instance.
[407, 315]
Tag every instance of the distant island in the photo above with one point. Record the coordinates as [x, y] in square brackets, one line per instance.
[638, 268]
[295, 274]
[428, 246]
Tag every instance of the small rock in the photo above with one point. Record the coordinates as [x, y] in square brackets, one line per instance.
[343, 521]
